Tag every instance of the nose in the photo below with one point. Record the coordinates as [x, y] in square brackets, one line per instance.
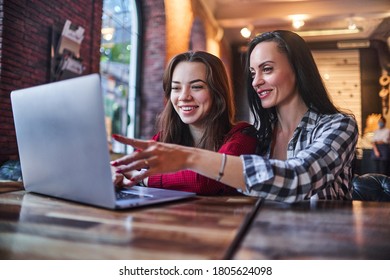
[185, 94]
[257, 81]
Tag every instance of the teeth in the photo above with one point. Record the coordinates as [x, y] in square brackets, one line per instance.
[187, 108]
[264, 92]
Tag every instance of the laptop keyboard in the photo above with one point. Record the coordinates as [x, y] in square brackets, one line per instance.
[126, 195]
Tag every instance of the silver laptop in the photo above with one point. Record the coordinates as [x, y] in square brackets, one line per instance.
[63, 149]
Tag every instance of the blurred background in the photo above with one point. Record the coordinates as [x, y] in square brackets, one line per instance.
[130, 41]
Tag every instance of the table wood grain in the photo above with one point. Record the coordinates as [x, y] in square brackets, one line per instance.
[354, 230]
[39, 227]
[10, 186]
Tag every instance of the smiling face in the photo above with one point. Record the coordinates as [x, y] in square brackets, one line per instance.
[190, 95]
[273, 78]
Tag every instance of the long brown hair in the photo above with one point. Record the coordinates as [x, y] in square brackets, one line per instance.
[219, 120]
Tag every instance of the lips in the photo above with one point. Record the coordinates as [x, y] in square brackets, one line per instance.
[188, 108]
[263, 93]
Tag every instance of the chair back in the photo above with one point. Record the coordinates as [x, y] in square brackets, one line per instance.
[371, 187]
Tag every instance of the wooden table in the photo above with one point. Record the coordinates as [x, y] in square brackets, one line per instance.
[319, 230]
[9, 186]
[38, 227]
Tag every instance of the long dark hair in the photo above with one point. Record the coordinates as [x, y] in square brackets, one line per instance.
[309, 82]
[219, 120]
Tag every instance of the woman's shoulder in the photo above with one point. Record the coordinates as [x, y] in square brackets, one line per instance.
[241, 139]
[242, 127]
[338, 124]
[330, 119]
[316, 116]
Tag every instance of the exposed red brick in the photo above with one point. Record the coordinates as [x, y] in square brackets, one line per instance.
[25, 41]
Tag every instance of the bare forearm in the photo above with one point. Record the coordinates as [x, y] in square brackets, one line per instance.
[159, 158]
[209, 164]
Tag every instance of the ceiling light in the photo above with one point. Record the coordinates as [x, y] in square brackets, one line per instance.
[355, 44]
[327, 32]
[351, 24]
[246, 31]
[298, 23]
[298, 20]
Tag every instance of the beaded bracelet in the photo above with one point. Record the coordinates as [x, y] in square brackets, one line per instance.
[222, 169]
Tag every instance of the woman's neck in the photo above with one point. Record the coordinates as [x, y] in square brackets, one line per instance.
[197, 133]
[288, 120]
[289, 116]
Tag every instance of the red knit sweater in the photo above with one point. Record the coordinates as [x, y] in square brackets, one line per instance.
[237, 142]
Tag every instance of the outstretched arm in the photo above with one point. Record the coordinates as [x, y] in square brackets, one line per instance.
[160, 157]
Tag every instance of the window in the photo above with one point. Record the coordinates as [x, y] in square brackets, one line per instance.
[118, 64]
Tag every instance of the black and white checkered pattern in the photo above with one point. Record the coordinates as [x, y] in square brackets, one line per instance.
[318, 165]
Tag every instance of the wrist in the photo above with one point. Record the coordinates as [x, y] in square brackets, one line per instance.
[222, 168]
[144, 181]
[192, 157]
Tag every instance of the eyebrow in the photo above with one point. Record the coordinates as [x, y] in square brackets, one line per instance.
[262, 64]
[197, 80]
[191, 82]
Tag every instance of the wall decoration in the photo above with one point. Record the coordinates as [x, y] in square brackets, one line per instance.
[384, 81]
[66, 60]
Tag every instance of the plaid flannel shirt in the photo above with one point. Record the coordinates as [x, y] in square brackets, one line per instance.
[318, 166]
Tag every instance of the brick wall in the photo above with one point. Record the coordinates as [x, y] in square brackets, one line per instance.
[153, 64]
[25, 40]
[166, 32]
